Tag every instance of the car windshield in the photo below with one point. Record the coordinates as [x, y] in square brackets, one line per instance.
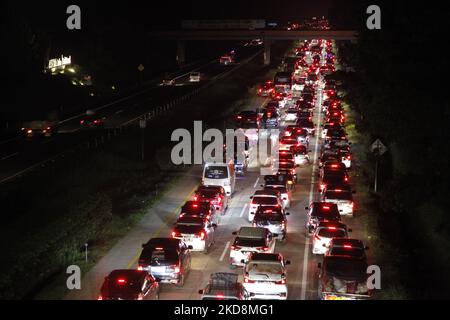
[216, 172]
[265, 200]
[328, 233]
[261, 268]
[249, 242]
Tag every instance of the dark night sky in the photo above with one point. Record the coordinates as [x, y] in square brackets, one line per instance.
[51, 14]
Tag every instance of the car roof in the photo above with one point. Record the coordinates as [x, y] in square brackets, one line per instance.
[252, 232]
[273, 257]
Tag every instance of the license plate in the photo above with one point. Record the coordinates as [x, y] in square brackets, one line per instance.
[335, 298]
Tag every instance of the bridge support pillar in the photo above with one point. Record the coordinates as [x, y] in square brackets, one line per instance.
[267, 44]
[181, 52]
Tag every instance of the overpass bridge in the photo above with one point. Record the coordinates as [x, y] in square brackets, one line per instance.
[268, 36]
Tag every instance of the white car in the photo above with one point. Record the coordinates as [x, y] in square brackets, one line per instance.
[263, 198]
[196, 232]
[323, 234]
[265, 276]
[194, 77]
[342, 196]
[248, 240]
[291, 115]
[286, 195]
[220, 174]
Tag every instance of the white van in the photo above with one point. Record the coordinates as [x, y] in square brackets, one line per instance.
[220, 174]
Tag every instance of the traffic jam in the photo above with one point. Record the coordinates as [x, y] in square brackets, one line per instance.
[302, 103]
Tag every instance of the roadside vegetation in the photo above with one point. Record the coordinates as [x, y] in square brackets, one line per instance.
[393, 96]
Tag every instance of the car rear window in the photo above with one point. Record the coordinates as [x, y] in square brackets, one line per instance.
[188, 228]
[216, 172]
[207, 194]
[338, 195]
[274, 217]
[327, 233]
[265, 200]
[250, 242]
[340, 251]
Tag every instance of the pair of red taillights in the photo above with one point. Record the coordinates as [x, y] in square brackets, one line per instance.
[202, 235]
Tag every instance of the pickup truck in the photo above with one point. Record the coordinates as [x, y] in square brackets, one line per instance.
[343, 278]
[223, 286]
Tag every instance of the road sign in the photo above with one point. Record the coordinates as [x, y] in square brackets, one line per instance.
[378, 147]
[141, 67]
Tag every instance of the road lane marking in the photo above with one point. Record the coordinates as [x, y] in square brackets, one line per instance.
[311, 195]
[243, 210]
[168, 219]
[256, 183]
[10, 156]
[227, 245]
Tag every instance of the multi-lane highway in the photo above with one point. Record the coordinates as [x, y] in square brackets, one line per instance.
[18, 155]
[302, 278]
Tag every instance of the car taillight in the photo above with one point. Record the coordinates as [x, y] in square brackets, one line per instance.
[219, 199]
[175, 234]
[352, 205]
[100, 297]
[264, 248]
[176, 269]
[247, 280]
[195, 198]
[82, 121]
[349, 157]
[140, 268]
[316, 237]
[202, 235]
[282, 281]
[322, 186]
